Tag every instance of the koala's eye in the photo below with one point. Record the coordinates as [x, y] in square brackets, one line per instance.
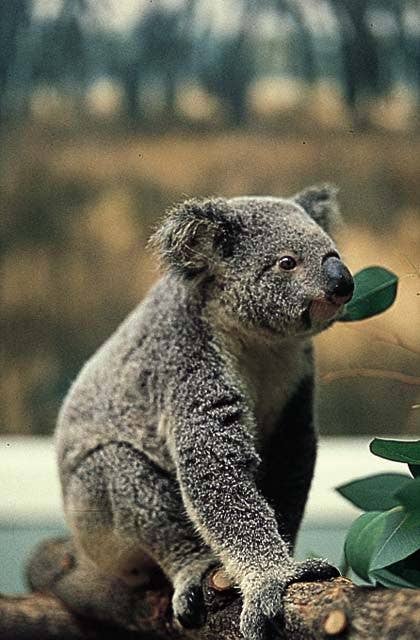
[288, 263]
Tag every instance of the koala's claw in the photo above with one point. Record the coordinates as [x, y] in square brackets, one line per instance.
[263, 609]
[189, 608]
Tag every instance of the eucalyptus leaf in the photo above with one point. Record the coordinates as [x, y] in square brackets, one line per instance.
[409, 495]
[399, 538]
[361, 542]
[374, 492]
[399, 450]
[379, 539]
[387, 578]
[405, 573]
[375, 291]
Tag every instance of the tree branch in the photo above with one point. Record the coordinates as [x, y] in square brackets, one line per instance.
[96, 607]
[404, 378]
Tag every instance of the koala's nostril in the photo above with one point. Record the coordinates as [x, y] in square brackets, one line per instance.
[339, 281]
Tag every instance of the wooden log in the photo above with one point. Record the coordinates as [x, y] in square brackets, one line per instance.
[73, 603]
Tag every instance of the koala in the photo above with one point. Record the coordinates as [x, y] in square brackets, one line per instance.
[188, 439]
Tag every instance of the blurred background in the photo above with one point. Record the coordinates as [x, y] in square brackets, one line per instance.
[112, 110]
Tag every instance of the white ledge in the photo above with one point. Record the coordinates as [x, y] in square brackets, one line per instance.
[30, 491]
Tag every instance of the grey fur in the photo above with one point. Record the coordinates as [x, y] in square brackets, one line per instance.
[188, 438]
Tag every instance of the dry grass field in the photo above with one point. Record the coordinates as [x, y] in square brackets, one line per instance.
[76, 209]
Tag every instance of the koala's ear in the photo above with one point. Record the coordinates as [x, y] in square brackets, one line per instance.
[195, 236]
[320, 202]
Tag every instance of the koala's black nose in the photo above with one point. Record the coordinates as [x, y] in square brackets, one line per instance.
[339, 282]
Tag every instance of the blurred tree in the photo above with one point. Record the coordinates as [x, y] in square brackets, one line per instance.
[225, 64]
[305, 63]
[70, 33]
[14, 18]
[129, 74]
[228, 73]
[360, 57]
[158, 51]
[408, 16]
[385, 21]
[60, 50]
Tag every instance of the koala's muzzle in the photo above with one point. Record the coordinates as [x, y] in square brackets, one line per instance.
[339, 285]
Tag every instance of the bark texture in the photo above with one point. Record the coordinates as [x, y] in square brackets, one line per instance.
[73, 603]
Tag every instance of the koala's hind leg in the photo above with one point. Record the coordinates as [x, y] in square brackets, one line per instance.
[123, 511]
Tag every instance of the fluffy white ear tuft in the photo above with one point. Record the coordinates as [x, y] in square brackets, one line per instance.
[320, 202]
[194, 236]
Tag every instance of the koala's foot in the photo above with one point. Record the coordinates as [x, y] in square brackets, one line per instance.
[263, 596]
[188, 606]
[188, 600]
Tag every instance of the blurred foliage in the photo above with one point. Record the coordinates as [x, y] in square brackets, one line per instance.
[103, 127]
[364, 48]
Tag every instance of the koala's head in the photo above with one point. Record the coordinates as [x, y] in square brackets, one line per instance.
[269, 263]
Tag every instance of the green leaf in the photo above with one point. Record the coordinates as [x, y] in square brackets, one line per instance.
[415, 470]
[399, 538]
[409, 495]
[399, 450]
[388, 578]
[375, 291]
[405, 573]
[379, 539]
[374, 492]
[361, 542]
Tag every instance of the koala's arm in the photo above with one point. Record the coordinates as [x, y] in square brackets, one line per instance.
[216, 466]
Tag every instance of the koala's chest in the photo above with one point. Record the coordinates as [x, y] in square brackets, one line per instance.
[270, 378]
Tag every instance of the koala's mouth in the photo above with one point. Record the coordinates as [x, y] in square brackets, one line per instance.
[321, 310]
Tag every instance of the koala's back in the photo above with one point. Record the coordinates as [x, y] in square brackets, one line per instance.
[117, 394]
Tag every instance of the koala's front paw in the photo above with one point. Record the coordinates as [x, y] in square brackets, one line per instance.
[262, 609]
